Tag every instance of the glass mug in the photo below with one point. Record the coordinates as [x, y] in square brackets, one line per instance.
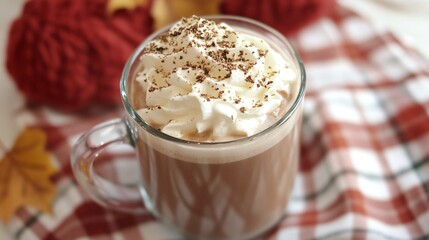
[206, 190]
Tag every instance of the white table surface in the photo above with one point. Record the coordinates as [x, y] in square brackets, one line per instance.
[408, 19]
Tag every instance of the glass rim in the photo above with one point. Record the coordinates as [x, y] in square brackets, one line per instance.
[157, 133]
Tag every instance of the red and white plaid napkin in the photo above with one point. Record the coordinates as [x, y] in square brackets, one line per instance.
[364, 172]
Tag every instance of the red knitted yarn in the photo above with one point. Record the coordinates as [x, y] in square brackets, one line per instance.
[287, 16]
[70, 53]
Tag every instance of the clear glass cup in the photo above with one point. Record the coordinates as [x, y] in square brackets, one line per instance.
[206, 190]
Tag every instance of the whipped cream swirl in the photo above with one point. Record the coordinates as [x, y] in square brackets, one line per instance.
[202, 79]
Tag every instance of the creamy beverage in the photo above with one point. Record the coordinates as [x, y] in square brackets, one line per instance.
[213, 110]
[220, 156]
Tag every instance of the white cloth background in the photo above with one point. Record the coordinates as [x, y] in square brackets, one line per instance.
[406, 18]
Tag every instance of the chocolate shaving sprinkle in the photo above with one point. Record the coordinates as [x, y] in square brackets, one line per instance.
[228, 75]
[262, 53]
[223, 52]
[160, 49]
[200, 78]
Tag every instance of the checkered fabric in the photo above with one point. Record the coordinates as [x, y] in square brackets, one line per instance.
[364, 171]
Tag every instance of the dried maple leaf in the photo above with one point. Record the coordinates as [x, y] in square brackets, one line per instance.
[114, 5]
[25, 173]
[168, 11]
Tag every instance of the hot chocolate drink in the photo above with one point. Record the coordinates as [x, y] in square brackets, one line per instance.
[221, 149]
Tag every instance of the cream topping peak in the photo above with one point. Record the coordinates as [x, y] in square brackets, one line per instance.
[205, 79]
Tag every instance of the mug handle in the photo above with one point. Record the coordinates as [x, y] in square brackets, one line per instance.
[131, 199]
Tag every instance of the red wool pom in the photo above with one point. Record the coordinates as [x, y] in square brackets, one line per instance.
[70, 53]
[287, 16]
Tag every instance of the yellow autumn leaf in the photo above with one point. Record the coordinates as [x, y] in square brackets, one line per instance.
[25, 173]
[113, 5]
[168, 11]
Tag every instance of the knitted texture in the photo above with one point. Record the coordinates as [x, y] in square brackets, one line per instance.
[285, 15]
[70, 53]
